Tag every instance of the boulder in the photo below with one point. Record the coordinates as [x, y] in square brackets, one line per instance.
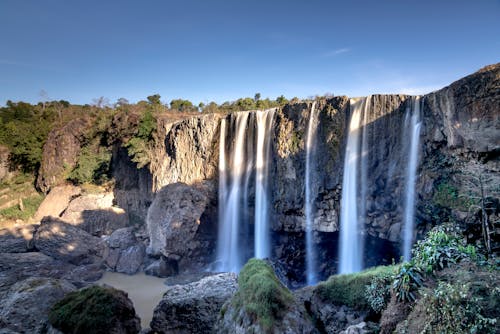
[26, 306]
[16, 239]
[174, 219]
[67, 243]
[95, 309]
[56, 201]
[193, 307]
[123, 252]
[162, 267]
[95, 213]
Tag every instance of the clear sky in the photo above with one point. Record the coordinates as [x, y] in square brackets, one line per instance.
[205, 50]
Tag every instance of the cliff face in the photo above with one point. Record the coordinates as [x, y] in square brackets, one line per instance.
[460, 127]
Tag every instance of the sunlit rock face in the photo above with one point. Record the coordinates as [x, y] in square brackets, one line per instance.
[179, 224]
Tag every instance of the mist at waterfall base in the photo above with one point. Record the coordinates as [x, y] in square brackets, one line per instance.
[245, 199]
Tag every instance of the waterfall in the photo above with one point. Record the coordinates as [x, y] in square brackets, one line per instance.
[240, 160]
[411, 170]
[262, 240]
[351, 247]
[228, 254]
[311, 268]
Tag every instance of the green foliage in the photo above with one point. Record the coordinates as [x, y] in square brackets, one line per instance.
[442, 246]
[154, 99]
[92, 166]
[182, 105]
[261, 294]
[350, 289]
[378, 292]
[407, 282]
[89, 310]
[137, 146]
[24, 129]
[447, 196]
[451, 308]
[30, 204]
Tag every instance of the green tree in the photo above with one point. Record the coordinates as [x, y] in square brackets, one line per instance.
[182, 105]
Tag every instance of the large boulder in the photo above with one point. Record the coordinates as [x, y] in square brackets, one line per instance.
[263, 305]
[16, 239]
[56, 201]
[193, 307]
[174, 220]
[95, 309]
[95, 213]
[26, 307]
[66, 242]
[123, 252]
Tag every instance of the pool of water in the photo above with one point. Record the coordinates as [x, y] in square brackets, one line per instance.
[144, 291]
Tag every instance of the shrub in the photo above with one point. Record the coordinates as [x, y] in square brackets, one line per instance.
[451, 308]
[261, 294]
[92, 166]
[407, 281]
[91, 310]
[137, 146]
[378, 292]
[442, 246]
[350, 289]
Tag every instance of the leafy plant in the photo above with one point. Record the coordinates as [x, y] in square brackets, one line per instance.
[378, 292]
[407, 282]
[442, 246]
[137, 146]
[92, 166]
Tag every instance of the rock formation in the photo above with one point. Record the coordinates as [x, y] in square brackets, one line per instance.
[193, 307]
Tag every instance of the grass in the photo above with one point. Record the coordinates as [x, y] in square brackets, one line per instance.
[349, 289]
[90, 310]
[30, 204]
[261, 294]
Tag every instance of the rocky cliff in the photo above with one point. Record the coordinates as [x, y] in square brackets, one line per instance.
[460, 128]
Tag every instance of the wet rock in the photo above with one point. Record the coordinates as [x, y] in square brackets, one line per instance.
[193, 307]
[162, 267]
[26, 306]
[67, 243]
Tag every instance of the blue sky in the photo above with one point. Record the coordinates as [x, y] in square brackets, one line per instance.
[205, 50]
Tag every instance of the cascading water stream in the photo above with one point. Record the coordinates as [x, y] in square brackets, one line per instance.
[262, 239]
[228, 254]
[311, 267]
[350, 239]
[411, 171]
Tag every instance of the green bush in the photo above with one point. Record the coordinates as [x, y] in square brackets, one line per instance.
[137, 146]
[92, 166]
[261, 294]
[451, 308]
[447, 196]
[442, 246]
[407, 282]
[90, 310]
[378, 292]
[350, 289]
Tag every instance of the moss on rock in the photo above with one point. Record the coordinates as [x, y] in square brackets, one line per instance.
[94, 310]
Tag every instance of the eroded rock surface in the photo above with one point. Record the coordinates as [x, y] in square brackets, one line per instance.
[56, 201]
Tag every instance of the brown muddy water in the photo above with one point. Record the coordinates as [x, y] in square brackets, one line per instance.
[144, 291]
